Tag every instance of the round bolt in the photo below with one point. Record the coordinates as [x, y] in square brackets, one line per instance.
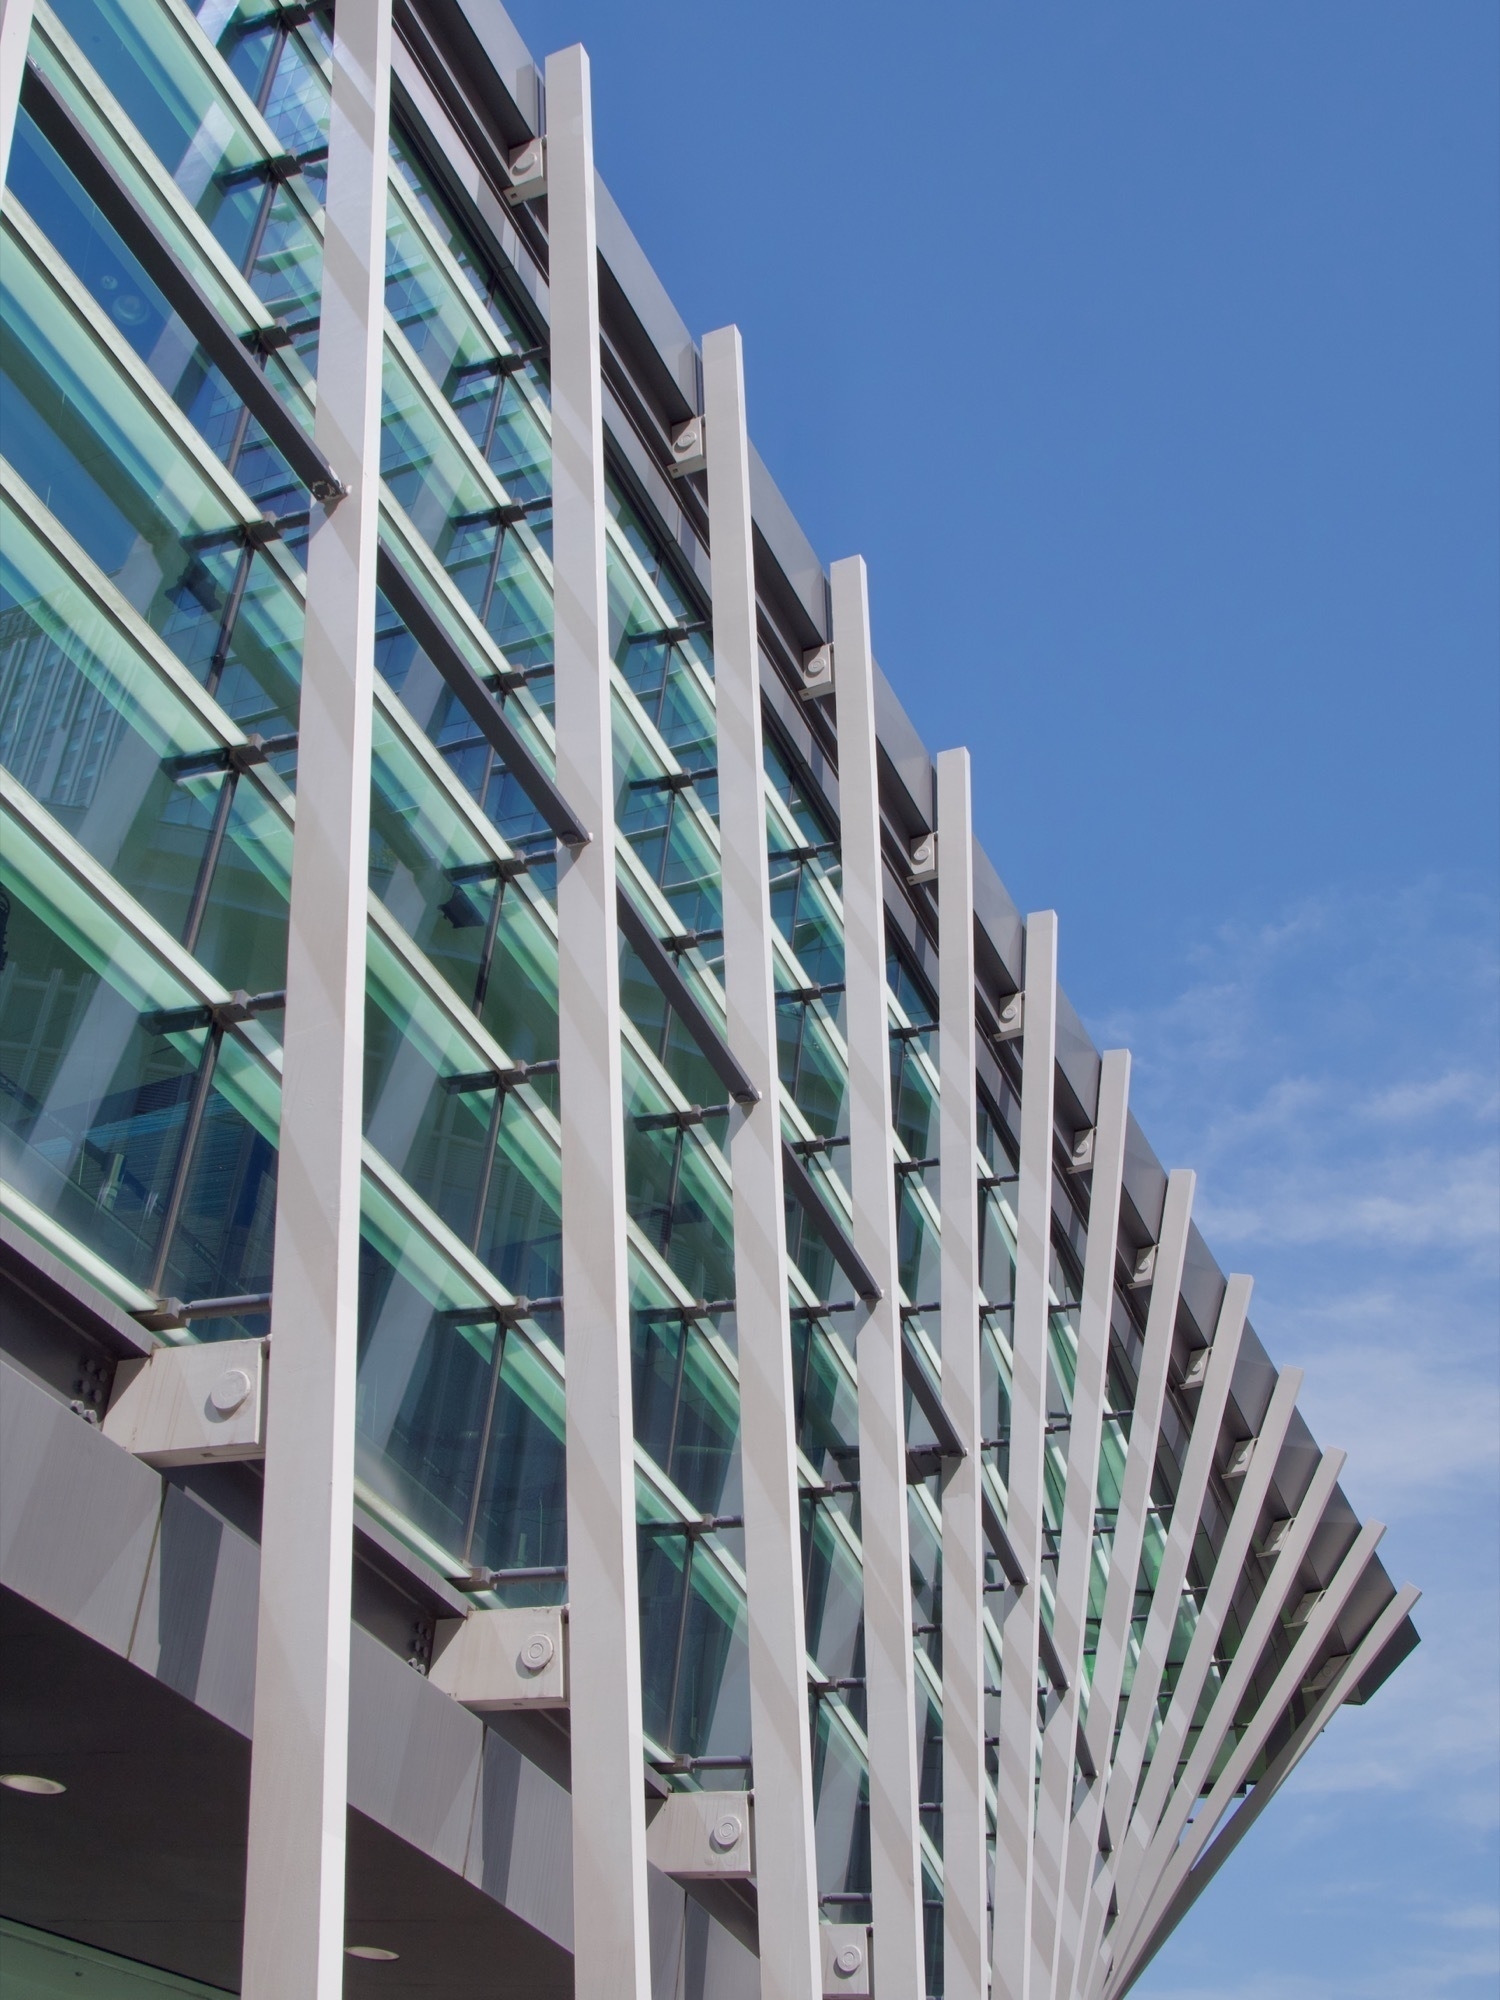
[537, 1653]
[726, 1833]
[847, 1960]
[231, 1389]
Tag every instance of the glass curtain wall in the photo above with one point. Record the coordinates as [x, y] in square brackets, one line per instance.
[151, 604]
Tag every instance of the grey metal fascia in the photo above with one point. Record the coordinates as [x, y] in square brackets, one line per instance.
[999, 919]
[518, 106]
[33, 1267]
[663, 339]
[1078, 1060]
[905, 757]
[781, 534]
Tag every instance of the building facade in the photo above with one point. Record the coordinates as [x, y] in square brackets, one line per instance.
[512, 1063]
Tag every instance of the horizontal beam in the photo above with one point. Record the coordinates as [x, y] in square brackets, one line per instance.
[679, 995]
[804, 1190]
[1000, 1542]
[173, 279]
[479, 704]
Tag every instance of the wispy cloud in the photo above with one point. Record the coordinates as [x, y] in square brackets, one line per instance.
[1334, 1077]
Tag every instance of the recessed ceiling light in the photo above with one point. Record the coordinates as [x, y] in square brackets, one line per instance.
[25, 1781]
[369, 1951]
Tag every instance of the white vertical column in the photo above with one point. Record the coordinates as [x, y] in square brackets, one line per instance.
[965, 1844]
[1273, 1778]
[1229, 1565]
[1019, 1723]
[786, 1857]
[890, 1676]
[15, 38]
[1076, 1549]
[1251, 1741]
[1166, 1599]
[611, 1955]
[1280, 1768]
[294, 1886]
[1186, 1794]
[1075, 1953]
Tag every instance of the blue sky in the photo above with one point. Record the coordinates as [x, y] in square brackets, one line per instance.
[1148, 355]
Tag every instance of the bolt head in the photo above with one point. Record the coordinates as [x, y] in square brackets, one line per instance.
[726, 1833]
[537, 1652]
[847, 1960]
[231, 1389]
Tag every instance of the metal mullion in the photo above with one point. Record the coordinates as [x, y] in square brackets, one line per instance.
[491, 934]
[182, 1166]
[214, 847]
[229, 618]
[674, 1182]
[491, 574]
[273, 64]
[690, 1549]
[487, 1166]
[492, 1393]
[685, 1327]
[796, 1081]
[262, 222]
[181, 290]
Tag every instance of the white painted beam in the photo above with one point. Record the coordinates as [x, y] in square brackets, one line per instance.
[1124, 1568]
[1166, 1600]
[1076, 1547]
[1234, 1550]
[1281, 1767]
[1020, 1619]
[15, 38]
[1135, 1919]
[790, 1967]
[611, 1955]
[294, 1887]
[1252, 1740]
[965, 1833]
[890, 1691]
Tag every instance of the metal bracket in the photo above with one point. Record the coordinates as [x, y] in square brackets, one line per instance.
[527, 166]
[846, 1960]
[924, 858]
[194, 1405]
[689, 443]
[817, 673]
[1010, 1018]
[514, 1657]
[704, 1836]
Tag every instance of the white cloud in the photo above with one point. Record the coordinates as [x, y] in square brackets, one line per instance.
[1333, 1077]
